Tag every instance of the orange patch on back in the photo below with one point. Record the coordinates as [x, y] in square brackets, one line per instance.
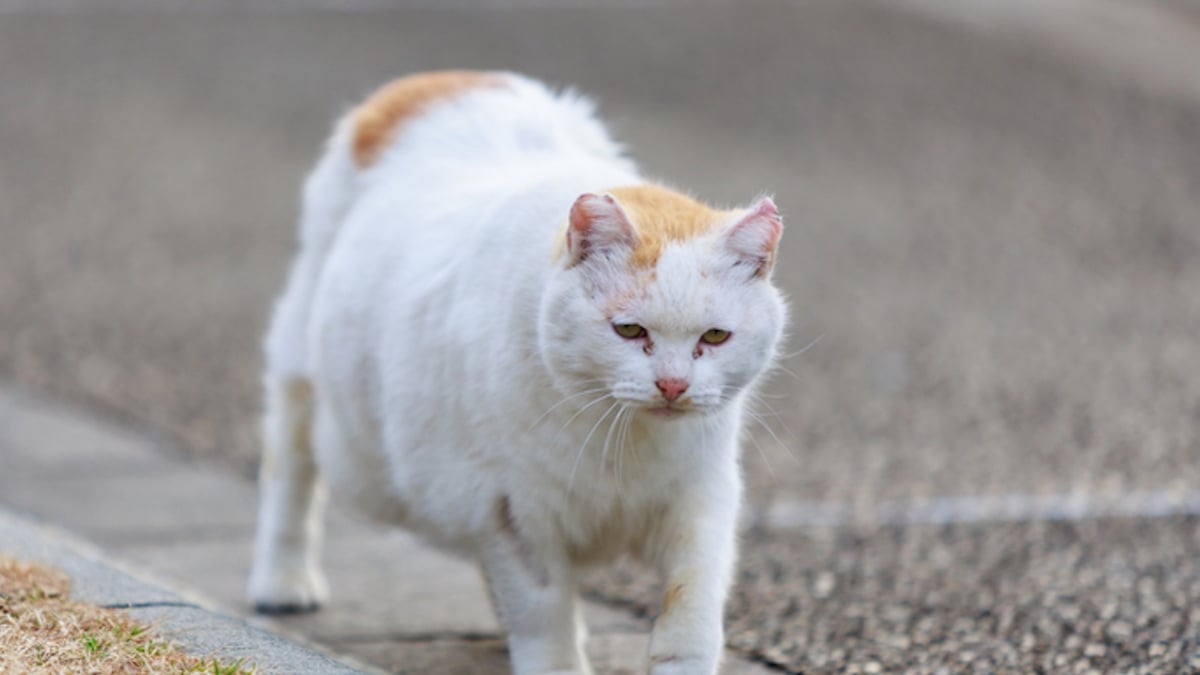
[377, 120]
[661, 216]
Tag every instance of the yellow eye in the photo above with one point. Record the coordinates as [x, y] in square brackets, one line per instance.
[714, 336]
[629, 331]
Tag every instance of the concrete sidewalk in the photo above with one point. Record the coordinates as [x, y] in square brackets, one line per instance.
[396, 603]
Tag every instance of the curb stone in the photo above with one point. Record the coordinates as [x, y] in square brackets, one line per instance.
[179, 615]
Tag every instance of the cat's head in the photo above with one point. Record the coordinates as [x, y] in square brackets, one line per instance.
[662, 303]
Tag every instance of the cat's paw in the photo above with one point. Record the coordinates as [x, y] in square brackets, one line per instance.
[668, 664]
[693, 649]
[287, 589]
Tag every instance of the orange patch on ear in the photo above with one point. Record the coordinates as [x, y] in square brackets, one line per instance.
[661, 216]
[377, 120]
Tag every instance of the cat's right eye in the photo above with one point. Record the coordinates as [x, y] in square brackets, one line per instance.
[629, 331]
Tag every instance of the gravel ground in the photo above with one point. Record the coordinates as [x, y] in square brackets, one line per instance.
[1098, 596]
[996, 241]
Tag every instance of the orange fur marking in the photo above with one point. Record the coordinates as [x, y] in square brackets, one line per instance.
[661, 216]
[672, 597]
[377, 120]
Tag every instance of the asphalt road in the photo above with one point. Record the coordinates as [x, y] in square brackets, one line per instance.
[995, 234]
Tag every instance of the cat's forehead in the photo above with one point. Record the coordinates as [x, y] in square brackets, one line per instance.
[662, 217]
[681, 291]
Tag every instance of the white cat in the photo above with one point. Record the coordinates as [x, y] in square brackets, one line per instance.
[500, 336]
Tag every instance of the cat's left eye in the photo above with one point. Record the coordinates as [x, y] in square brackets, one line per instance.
[629, 331]
[715, 336]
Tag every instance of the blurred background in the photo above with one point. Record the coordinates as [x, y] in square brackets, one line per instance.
[984, 450]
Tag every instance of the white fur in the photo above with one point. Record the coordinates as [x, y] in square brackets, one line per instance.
[448, 373]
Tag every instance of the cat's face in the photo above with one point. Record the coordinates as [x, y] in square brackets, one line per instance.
[673, 316]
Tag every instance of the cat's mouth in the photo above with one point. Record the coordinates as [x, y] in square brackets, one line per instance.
[665, 411]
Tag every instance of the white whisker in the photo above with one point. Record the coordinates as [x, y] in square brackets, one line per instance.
[753, 415]
[766, 460]
[621, 454]
[564, 400]
[583, 446]
[608, 436]
[581, 410]
[779, 362]
[803, 349]
[757, 400]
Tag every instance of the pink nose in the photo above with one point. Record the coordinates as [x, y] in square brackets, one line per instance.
[671, 387]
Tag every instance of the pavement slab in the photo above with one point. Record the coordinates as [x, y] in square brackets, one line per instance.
[428, 593]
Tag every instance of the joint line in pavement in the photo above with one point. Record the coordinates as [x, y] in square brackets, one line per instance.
[788, 514]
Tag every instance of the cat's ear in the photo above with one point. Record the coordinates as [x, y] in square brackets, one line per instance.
[755, 236]
[598, 225]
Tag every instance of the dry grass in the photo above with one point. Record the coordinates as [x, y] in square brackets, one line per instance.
[42, 630]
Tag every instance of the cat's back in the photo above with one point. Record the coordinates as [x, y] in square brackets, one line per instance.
[445, 163]
[452, 115]
[451, 169]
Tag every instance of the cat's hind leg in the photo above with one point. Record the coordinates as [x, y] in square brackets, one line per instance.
[286, 575]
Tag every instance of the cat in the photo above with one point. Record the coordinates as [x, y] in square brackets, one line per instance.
[499, 335]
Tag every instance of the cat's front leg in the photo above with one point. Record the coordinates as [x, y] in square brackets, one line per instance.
[534, 594]
[697, 558]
